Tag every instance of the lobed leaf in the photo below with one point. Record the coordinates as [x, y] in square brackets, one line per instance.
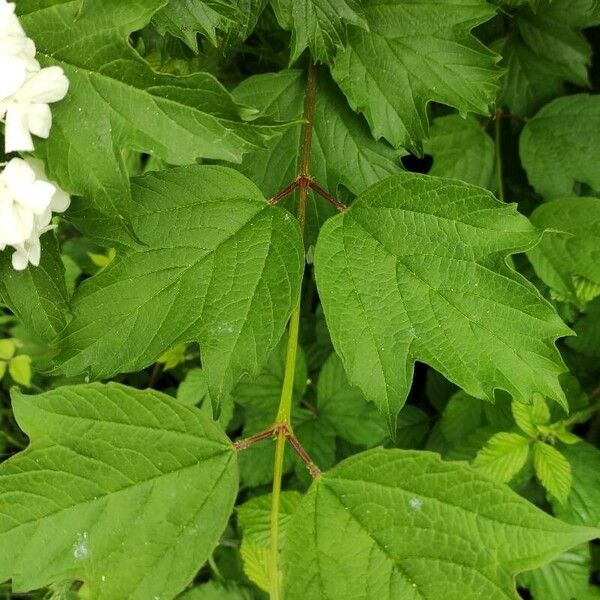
[410, 55]
[318, 24]
[416, 270]
[215, 264]
[125, 490]
[402, 524]
[116, 101]
[544, 50]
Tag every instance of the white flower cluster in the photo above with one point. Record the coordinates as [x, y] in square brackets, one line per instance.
[27, 198]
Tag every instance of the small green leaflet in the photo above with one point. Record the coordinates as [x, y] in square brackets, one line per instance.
[340, 138]
[186, 18]
[411, 55]
[215, 264]
[569, 252]
[553, 470]
[318, 24]
[391, 524]
[416, 270]
[544, 50]
[116, 101]
[560, 146]
[503, 456]
[529, 416]
[123, 489]
[461, 149]
[254, 519]
[37, 296]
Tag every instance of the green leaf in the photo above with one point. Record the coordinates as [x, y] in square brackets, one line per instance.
[37, 296]
[587, 329]
[217, 591]
[320, 25]
[398, 524]
[411, 55]
[565, 578]
[115, 100]
[3, 367]
[7, 349]
[184, 19]
[553, 470]
[529, 416]
[545, 49]
[215, 264]
[462, 415]
[345, 407]
[341, 138]
[412, 427]
[247, 15]
[503, 456]
[416, 270]
[19, 368]
[559, 146]
[461, 149]
[570, 251]
[254, 518]
[133, 509]
[583, 504]
[193, 391]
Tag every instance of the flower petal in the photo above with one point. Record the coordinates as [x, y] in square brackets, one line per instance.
[14, 73]
[17, 136]
[48, 85]
[20, 259]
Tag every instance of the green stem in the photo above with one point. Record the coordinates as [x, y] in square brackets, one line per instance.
[498, 142]
[284, 413]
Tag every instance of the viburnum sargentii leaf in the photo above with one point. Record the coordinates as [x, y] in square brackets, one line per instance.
[125, 490]
[391, 524]
[411, 53]
[115, 101]
[416, 270]
[215, 264]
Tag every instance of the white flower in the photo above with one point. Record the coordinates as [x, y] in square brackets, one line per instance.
[27, 111]
[25, 88]
[22, 198]
[27, 201]
[13, 40]
[30, 250]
